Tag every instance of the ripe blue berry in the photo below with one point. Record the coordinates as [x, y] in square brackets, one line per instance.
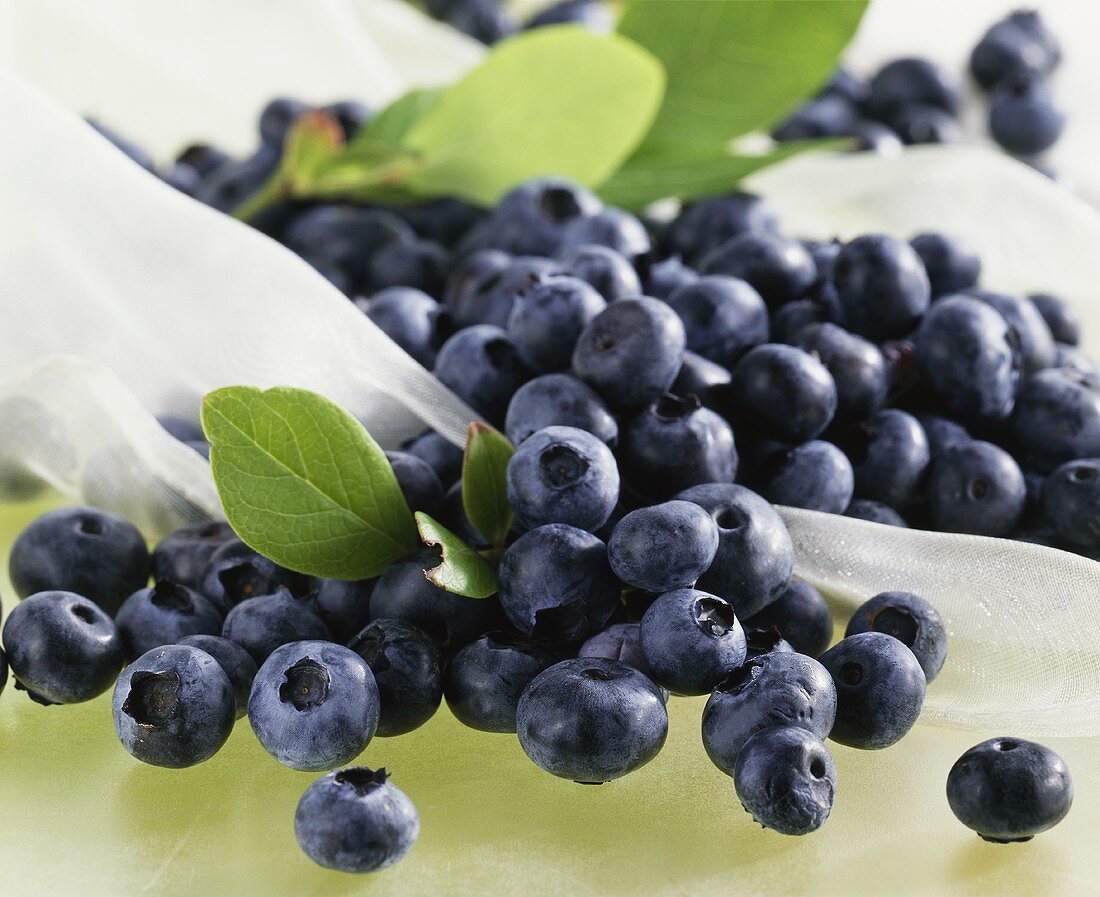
[976, 488]
[856, 365]
[699, 377]
[1062, 320]
[443, 456]
[418, 481]
[663, 547]
[1019, 44]
[1071, 503]
[163, 615]
[548, 317]
[236, 573]
[710, 222]
[614, 228]
[408, 671]
[951, 263]
[1057, 418]
[182, 556]
[264, 623]
[1024, 117]
[780, 270]
[723, 317]
[620, 641]
[890, 456]
[483, 368]
[531, 219]
[910, 619]
[785, 393]
[558, 400]
[1036, 345]
[903, 82]
[603, 268]
[234, 660]
[882, 286]
[411, 318]
[815, 475]
[801, 616]
[875, 512]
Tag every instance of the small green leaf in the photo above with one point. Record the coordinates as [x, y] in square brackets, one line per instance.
[559, 101]
[734, 68]
[483, 493]
[691, 171]
[461, 570]
[304, 484]
[392, 124]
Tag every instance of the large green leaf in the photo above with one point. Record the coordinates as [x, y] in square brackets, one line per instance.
[737, 67]
[461, 569]
[483, 491]
[392, 124]
[304, 484]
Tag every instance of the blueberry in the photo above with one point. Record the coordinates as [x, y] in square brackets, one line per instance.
[875, 512]
[621, 642]
[236, 573]
[591, 720]
[674, 444]
[663, 547]
[723, 317]
[419, 484]
[164, 614]
[556, 583]
[1071, 503]
[345, 236]
[593, 14]
[890, 456]
[237, 664]
[631, 352]
[943, 434]
[920, 123]
[1019, 44]
[614, 228]
[1064, 324]
[442, 455]
[976, 488]
[232, 183]
[698, 377]
[828, 116]
[482, 366]
[783, 392]
[420, 265]
[691, 640]
[1057, 418]
[408, 670]
[446, 220]
[882, 286]
[791, 318]
[548, 317]
[967, 355]
[182, 556]
[532, 218]
[492, 303]
[706, 224]
[774, 689]
[278, 117]
[314, 705]
[780, 270]
[1009, 789]
[266, 622]
[880, 689]
[354, 820]
[173, 707]
[485, 680]
[470, 284]
[344, 605]
[815, 475]
[612, 276]
[563, 475]
[62, 648]
[202, 157]
[856, 365]
[559, 400]
[1024, 117]
[755, 557]
[786, 778]
[84, 550]
[905, 81]
[667, 276]
[350, 115]
[801, 616]
[951, 263]
[910, 619]
[451, 621]
[1036, 345]
[411, 318]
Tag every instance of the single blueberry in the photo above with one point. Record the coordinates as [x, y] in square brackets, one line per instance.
[951, 263]
[882, 286]
[800, 615]
[278, 117]
[707, 223]
[1064, 324]
[411, 318]
[631, 352]
[88, 551]
[691, 640]
[773, 689]
[419, 483]
[920, 123]
[909, 80]
[62, 648]
[482, 366]
[202, 157]
[780, 270]
[1024, 116]
[875, 512]
[556, 583]
[663, 547]
[880, 689]
[614, 228]
[1009, 789]
[344, 605]
[943, 434]
[815, 475]
[408, 670]
[346, 236]
[548, 317]
[723, 317]
[236, 573]
[532, 218]
[786, 778]
[604, 269]
[828, 116]
[314, 705]
[755, 556]
[442, 455]
[910, 619]
[667, 276]
[1070, 503]
[495, 297]
[174, 707]
[234, 660]
[621, 642]
[558, 400]
[163, 615]
[857, 367]
[182, 556]
[591, 720]
[674, 444]
[485, 680]
[562, 475]
[1036, 345]
[791, 318]
[470, 284]
[354, 820]
[698, 377]
[446, 219]
[1057, 418]
[1019, 44]
[976, 488]
[419, 265]
[266, 622]
[890, 456]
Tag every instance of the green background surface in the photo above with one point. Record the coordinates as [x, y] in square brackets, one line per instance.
[81, 818]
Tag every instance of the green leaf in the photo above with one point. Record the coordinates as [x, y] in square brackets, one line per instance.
[392, 124]
[691, 171]
[734, 68]
[461, 570]
[304, 484]
[559, 101]
[483, 493]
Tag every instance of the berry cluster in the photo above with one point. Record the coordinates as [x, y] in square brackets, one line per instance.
[912, 100]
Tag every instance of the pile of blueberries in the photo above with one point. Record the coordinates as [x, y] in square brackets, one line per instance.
[913, 100]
